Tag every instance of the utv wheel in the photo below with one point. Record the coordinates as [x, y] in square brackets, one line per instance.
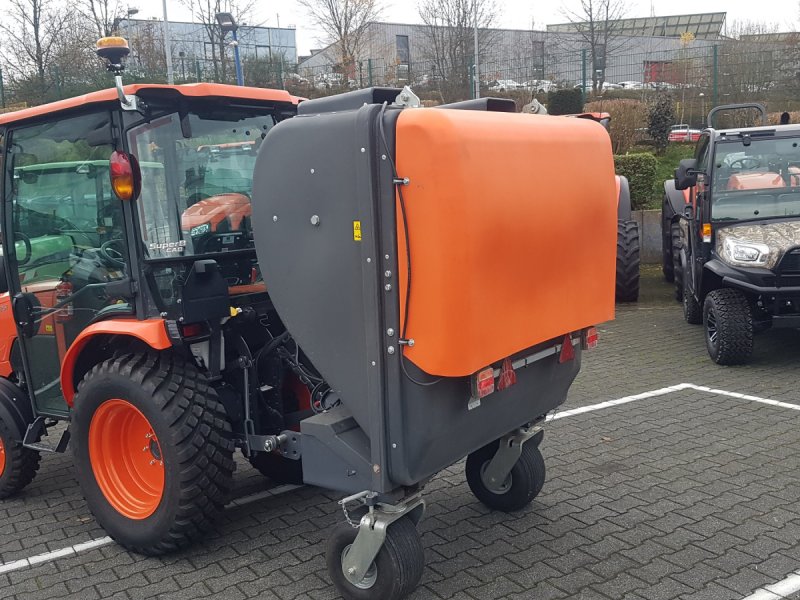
[18, 465]
[627, 285]
[523, 484]
[396, 570]
[153, 451]
[692, 311]
[677, 267]
[667, 266]
[277, 468]
[728, 323]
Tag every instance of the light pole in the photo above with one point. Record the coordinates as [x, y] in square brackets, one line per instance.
[168, 47]
[228, 23]
[703, 106]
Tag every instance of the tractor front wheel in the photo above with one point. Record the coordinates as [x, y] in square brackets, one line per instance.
[153, 451]
[627, 282]
[18, 465]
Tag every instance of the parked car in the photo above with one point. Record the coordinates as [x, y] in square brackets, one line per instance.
[631, 85]
[503, 85]
[326, 81]
[683, 133]
[540, 86]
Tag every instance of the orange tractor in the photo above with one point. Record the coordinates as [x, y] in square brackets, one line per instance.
[192, 270]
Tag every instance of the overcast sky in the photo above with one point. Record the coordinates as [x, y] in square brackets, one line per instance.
[518, 14]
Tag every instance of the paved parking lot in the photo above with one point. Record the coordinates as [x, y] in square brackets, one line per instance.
[682, 493]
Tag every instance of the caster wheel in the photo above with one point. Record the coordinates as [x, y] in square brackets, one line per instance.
[522, 485]
[394, 574]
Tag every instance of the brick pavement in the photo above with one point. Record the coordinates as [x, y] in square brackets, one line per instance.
[686, 495]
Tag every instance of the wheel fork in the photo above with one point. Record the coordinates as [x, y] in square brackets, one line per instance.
[372, 529]
[507, 455]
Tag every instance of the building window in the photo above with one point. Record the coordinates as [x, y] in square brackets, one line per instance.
[403, 52]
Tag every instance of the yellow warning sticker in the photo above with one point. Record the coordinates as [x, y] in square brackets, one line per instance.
[48, 329]
[357, 231]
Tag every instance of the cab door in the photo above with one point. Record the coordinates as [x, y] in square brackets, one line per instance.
[65, 243]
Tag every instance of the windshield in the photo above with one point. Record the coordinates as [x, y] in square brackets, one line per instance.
[759, 180]
[199, 200]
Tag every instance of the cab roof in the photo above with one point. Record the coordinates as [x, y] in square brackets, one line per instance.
[190, 90]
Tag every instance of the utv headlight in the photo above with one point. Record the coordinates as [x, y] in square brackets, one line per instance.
[744, 253]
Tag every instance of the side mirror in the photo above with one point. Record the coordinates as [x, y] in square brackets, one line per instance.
[686, 174]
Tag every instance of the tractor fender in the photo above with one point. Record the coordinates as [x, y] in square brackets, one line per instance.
[152, 332]
[674, 200]
[15, 408]
[623, 198]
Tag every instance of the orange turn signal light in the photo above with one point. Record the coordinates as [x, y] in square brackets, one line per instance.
[112, 42]
[125, 178]
[706, 232]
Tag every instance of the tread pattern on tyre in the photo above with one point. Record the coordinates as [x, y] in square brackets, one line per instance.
[529, 468]
[692, 311]
[735, 319]
[21, 464]
[627, 282]
[667, 264]
[203, 433]
[677, 267]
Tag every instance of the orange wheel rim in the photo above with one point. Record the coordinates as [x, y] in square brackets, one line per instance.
[126, 459]
[2, 457]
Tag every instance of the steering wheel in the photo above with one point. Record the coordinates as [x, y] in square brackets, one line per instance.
[21, 237]
[111, 255]
[745, 163]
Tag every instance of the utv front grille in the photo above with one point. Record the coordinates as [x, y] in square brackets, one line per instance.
[790, 265]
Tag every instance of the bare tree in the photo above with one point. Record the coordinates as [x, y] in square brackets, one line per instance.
[33, 28]
[449, 42]
[344, 24]
[596, 22]
[104, 15]
[205, 12]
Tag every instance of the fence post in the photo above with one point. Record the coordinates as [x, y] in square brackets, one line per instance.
[369, 71]
[715, 91]
[583, 74]
[472, 81]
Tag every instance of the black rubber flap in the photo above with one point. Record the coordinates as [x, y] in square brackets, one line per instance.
[485, 104]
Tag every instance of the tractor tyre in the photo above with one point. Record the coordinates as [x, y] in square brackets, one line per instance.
[396, 570]
[278, 468]
[523, 484]
[153, 450]
[18, 465]
[728, 323]
[627, 284]
[677, 266]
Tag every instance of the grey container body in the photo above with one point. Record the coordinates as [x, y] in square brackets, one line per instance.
[315, 176]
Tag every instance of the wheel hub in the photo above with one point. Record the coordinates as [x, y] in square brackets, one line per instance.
[493, 486]
[370, 577]
[126, 459]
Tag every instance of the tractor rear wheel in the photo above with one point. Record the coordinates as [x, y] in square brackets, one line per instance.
[18, 465]
[153, 450]
[627, 285]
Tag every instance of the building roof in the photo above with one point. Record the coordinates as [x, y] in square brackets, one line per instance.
[191, 90]
[701, 25]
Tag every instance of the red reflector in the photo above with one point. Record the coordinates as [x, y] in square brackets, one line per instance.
[193, 330]
[483, 383]
[63, 291]
[567, 350]
[507, 375]
[590, 338]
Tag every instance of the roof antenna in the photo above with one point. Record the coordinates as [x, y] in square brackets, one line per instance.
[114, 50]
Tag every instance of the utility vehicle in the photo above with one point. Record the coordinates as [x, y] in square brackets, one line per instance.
[733, 217]
[193, 270]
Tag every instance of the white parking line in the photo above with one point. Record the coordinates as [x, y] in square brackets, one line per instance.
[775, 591]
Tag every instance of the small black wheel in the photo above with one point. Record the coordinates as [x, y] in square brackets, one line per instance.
[278, 468]
[677, 267]
[18, 465]
[692, 311]
[396, 570]
[153, 450]
[627, 282]
[728, 322]
[523, 484]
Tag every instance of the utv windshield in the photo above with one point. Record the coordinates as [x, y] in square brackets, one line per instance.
[199, 202]
[757, 180]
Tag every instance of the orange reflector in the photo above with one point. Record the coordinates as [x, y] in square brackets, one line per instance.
[589, 338]
[483, 383]
[567, 350]
[124, 174]
[706, 232]
[112, 42]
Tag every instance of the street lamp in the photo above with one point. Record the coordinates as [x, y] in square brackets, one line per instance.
[228, 23]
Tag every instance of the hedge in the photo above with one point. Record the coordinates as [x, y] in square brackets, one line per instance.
[564, 102]
[640, 169]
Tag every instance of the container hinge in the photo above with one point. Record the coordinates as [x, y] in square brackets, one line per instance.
[407, 98]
